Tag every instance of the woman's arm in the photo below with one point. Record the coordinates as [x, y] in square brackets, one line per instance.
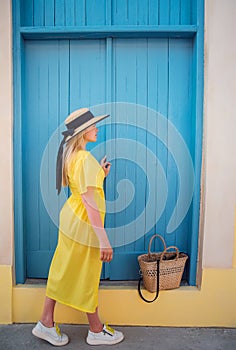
[96, 221]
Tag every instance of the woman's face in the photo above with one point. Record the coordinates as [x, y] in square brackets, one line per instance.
[91, 134]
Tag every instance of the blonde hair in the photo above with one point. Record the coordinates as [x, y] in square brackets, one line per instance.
[71, 147]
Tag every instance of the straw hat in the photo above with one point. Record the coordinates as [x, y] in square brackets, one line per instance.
[79, 120]
[76, 122]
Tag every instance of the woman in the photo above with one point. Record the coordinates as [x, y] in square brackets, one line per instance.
[82, 243]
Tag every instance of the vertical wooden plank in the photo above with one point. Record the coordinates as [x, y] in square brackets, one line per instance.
[171, 169]
[194, 11]
[164, 12]
[161, 105]
[153, 12]
[39, 13]
[64, 76]
[132, 12]
[120, 12]
[111, 135]
[52, 124]
[157, 100]
[69, 13]
[95, 12]
[152, 123]
[120, 91]
[45, 58]
[80, 12]
[141, 136]
[101, 55]
[131, 48]
[175, 10]
[109, 96]
[142, 12]
[30, 159]
[39, 59]
[59, 13]
[49, 12]
[108, 12]
[158, 87]
[108, 147]
[185, 12]
[180, 57]
[27, 12]
[87, 68]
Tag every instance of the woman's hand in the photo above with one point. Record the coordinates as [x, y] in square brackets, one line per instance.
[105, 165]
[106, 254]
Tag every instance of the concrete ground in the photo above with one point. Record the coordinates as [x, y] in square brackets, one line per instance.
[18, 336]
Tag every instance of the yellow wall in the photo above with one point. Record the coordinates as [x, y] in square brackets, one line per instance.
[214, 303]
[5, 294]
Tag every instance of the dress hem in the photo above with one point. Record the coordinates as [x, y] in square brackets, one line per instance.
[70, 305]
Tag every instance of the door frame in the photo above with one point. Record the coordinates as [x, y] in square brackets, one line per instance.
[20, 34]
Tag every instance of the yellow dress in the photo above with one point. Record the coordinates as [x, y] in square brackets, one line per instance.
[75, 269]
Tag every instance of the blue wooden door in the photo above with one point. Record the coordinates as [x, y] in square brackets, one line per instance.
[62, 75]
[156, 73]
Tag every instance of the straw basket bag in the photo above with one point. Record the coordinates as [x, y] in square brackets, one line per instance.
[161, 271]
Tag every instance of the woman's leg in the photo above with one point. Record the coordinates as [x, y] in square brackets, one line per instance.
[45, 328]
[95, 324]
[47, 317]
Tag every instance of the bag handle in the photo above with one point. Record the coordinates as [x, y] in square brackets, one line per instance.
[158, 269]
[151, 240]
[157, 289]
[168, 248]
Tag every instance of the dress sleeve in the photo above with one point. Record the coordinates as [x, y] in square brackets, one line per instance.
[88, 173]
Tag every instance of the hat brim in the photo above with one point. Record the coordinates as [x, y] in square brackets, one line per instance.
[86, 125]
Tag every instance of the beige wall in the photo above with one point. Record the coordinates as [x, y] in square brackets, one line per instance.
[220, 136]
[219, 124]
[6, 163]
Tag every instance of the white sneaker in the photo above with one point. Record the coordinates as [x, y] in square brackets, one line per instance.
[108, 336]
[52, 335]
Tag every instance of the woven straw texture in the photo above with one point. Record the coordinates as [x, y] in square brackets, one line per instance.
[171, 267]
